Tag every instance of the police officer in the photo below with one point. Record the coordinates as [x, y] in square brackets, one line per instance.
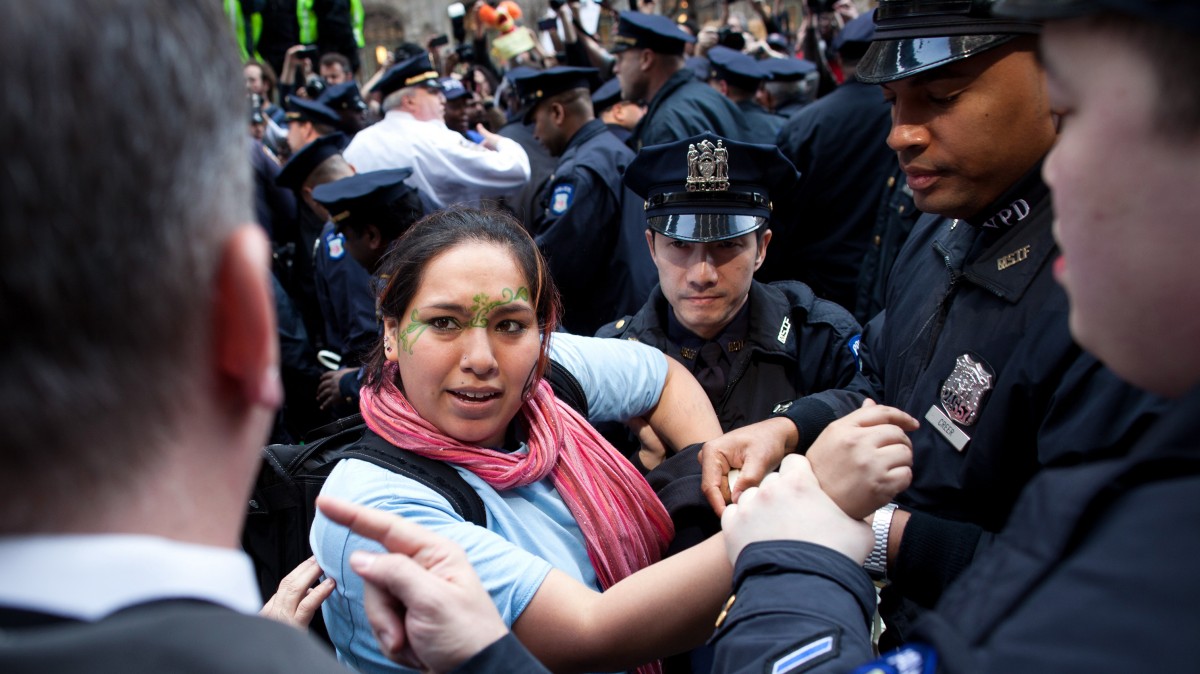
[368, 213]
[447, 167]
[371, 211]
[578, 224]
[618, 114]
[343, 288]
[347, 101]
[738, 77]
[308, 120]
[974, 340]
[750, 344]
[650, 67]
[838, 145]
[790, 85]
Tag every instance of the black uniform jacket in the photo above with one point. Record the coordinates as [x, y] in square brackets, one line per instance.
[685, 107]
[1094, 572]
[974, 343]
[798, 344]
[578, 226]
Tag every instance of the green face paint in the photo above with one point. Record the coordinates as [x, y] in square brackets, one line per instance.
[483, 307]
[479, 312]
[411, 332]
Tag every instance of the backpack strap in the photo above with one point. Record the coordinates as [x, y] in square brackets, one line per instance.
[566, 387]
[437, 475]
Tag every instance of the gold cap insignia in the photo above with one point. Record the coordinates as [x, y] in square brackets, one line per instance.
[708, 167]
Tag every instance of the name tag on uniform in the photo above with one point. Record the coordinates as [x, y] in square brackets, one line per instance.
[947, 428]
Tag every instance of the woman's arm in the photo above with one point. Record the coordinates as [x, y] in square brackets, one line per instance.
[666, 608]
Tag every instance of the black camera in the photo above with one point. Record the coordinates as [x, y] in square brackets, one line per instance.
[820, 6]
[555, 4]
[439, 41]
[466, 53]
[314, 86]
[728, 37]
[309, 52]
[256, 114]
[548, 24]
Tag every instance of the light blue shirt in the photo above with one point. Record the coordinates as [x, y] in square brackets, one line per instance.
[530, 530]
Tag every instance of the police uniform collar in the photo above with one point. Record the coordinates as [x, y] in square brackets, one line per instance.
[1007, 260]
[585, 133]
[731, 339]
[1010, 207]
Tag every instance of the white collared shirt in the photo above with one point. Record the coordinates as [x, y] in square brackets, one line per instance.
[446, 166]
[87, 577]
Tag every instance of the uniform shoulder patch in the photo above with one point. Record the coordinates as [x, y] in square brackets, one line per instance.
[807, 655]
[337, 246]
[561, 197]
[854, 345]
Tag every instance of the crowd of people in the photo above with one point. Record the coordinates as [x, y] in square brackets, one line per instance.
[947, 424]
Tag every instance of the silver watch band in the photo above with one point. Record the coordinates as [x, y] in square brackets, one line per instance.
[881, 525]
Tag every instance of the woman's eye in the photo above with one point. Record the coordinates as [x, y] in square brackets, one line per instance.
[443, 323]
[510, 326]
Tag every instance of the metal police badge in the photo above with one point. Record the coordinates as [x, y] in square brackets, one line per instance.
[961, 397]
[708, 167]
[964, 390]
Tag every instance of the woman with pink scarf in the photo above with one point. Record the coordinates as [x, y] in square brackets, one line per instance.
[573, 531]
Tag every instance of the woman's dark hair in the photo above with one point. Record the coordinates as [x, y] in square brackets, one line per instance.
[437, 233]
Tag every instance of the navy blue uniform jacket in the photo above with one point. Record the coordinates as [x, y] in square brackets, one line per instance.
[685, 107]
[579, 225]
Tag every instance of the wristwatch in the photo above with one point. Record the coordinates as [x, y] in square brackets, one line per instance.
[881, 524]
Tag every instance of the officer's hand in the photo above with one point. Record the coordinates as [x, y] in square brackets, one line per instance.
[425, 603]
[865, 458]
[790, 505]
[297, 601]
[756, 450]
[490, 140]
[329, 390]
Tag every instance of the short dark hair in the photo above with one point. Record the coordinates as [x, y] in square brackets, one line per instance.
[439, 232]
[110, 238]
[329, 58]
[1175, 60]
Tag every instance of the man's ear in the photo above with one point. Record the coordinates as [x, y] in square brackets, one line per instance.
[762, 249]
[557, 113]
[374, 237]
[650, 244]
[647, 59]
[245, 340]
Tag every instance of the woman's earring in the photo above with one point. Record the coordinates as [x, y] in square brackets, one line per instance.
[387, 345]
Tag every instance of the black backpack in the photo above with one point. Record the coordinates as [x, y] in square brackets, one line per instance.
[283, 503]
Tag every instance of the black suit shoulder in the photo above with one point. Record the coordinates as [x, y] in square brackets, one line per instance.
[177, 636]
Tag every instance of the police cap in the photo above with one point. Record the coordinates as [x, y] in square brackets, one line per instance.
[302, 164]
[1182, 15]
[655, 32]
[453, 88]
[304, 110]
[344, 96]
[736, 68]
[608, 95]
[709, 188]
[364, 198]
[855, 37]
[913, 36]
[408, 73]
[787, 69]
[535, 86]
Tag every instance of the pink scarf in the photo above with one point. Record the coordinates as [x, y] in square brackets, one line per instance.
[623, 522]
